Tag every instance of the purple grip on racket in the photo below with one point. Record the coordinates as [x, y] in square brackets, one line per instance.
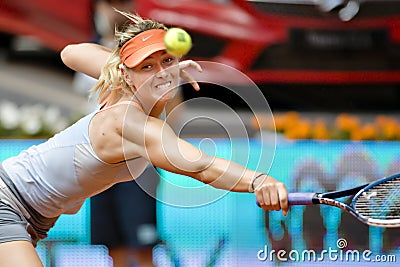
[300, 198]
[297, 199]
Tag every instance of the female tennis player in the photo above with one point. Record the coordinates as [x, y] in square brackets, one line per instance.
[113, 144]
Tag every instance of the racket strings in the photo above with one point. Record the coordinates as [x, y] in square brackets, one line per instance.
[381, 201]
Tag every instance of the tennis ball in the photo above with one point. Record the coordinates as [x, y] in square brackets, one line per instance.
[177, 41]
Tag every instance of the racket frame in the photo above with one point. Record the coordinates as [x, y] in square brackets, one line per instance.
[328, 198]
[391, 223]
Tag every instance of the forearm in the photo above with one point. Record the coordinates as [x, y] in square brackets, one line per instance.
[270, 193]
[87, 58]
[231, 176]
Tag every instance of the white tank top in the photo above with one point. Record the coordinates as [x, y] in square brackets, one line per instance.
[57, 176]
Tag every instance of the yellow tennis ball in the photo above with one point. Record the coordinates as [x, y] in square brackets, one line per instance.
[177, 41]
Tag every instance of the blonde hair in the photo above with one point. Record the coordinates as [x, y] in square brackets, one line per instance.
[111, 81]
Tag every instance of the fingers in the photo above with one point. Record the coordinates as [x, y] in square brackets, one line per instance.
[185, 75]
[190, 63]
[283, 199]
[190, 79]
[272, 195]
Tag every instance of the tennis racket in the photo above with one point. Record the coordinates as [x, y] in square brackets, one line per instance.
[376, 204]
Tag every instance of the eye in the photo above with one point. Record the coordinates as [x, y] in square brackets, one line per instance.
[147, 67]
[169, 59]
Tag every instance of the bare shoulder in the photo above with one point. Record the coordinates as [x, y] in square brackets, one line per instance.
[106, 132]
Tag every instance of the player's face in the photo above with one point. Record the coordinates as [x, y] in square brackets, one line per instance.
[156, 78]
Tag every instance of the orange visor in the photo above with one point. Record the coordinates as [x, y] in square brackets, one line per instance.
[141, 46]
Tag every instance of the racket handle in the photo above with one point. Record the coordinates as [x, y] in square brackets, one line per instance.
[298, 199]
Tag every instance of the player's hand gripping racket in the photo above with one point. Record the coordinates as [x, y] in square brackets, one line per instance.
[377, 203]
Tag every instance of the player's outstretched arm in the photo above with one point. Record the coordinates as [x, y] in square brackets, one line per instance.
[155, 140]
[88, 58]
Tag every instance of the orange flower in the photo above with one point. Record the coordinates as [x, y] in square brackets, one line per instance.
[320, 130]
[388, 127]
[370, 131]
[280, 123]
[345, 127]
[391, 131]
[347, 122]
[299, 130]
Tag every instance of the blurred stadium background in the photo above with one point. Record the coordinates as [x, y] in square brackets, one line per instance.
[329, 70]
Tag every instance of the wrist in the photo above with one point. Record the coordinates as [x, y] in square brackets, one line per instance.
[255, 182]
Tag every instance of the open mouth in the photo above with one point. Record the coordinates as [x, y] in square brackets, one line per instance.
[164, 86]
[165, 90]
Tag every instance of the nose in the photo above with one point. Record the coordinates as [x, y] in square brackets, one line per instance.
[162, 72]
